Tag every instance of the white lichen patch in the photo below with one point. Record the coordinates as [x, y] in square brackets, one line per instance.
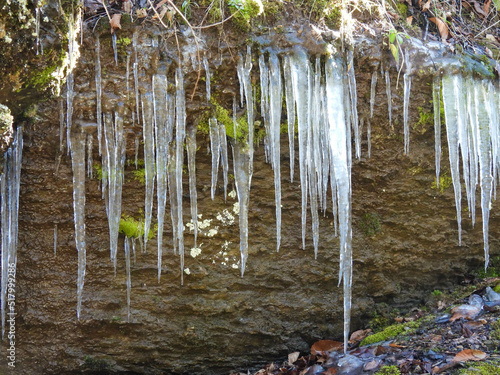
[236, 208]
[187, 271]
[232, 194]
[195, 251]
[212, 232]
[225, 217]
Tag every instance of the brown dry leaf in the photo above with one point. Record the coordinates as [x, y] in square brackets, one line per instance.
[426, 6]
[437, 338]
[469, 355]
[330, 371]
[486, 7]
[292, 357]
[392, 345]
[442, 27]
[479, 10]
[359, 335]
[326, 346]
[409, 20]
[115, 22]
[127, 6]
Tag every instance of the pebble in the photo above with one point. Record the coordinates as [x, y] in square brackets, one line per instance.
[350, 365]
[491, 295]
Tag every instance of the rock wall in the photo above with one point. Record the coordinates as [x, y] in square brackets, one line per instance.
[404, 236]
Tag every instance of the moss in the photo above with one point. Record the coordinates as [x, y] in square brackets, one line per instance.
[483, 368]
[97, 171]
[370, 224]
[425, 121]
[246, 11]
[133, 228]
[139, 175]
[389, 370]
[495, 330]
[391, 332]
[444, 183]
[497, 288]
[402, 9]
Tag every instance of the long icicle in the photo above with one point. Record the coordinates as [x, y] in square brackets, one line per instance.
[436, 101]
[149, 161]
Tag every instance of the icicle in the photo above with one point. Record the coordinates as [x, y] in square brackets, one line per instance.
[208, 77]
[115, 49]
[127, 76]
[354, 103]
[9, 190]
[299, 66]
[129, 281]
[90, 161]
[161, 139]
[133, 239]
[290, 113]
[389, 96]
[214, 150]
[172, 185]
[241, 163]
[373, 91]
[275, 99]
[406, 103]
[193, 194]
[223, 156]
[136, 150]
[115, 162]
[72, 57]
[55, 239]
[485, 163]
[69, 107]
[78, 165]
[339, 140]
[180, 123]
[493, 112]
[98, 89]
[235, 123]
[264, 102]
[149, 160]
[436, 101]
[369, 138]
[135, 68]
[450, 103]
[244, 69]
[39, 46]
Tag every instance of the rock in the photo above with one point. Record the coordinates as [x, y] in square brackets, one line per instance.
[476, 300]
[491, 295]
[350, 365]
[372, 365]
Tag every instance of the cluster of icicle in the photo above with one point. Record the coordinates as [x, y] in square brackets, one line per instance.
[472, 117]
[9, 191]
[320, 99]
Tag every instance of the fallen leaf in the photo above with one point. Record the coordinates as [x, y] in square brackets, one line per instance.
[292, 357]
[442, 27]
[359, 335]
[426, 6]
[486, 7]
[409, 20]
[478, 9]
[464, 311]
[330, 371]
[326, 346]
[392, 345]
[469, 355]
[115, 22]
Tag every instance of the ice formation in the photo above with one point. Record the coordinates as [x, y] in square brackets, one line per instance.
[9, 192]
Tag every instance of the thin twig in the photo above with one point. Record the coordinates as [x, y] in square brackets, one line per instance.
[489, 27]
[106, 9]
[217, 23]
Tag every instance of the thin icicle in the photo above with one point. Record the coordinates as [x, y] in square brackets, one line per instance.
[78, 164]
[37, 29]
[208, 77]
[223, 156]
[436, 101]
[115, 49]
[90, 161]
[193, 194]
[136, 150]
[162, 141]
[406, 102]
[450, 102]
[55, 239]
[214, 150]
[127, 77]
[149, 161]
[135, 70]
[290, 113]
[275, 100]
[241, 163]
[98, 93]
[389, 96]
[180, 135]
[485, 163]
[129, 281]
[115, 162]
[373, 91]
[133, 239]
[369, 138]
[10, 182]
[299, 66]
[354, 103]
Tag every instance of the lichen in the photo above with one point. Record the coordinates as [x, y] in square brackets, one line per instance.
[6, 119]
[444, 183]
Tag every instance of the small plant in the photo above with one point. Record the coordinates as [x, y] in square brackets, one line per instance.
[436, 293]
[370, 224]
[389, 370]
[95, 364]
[396, 39]
[116, 319]
[484, 368]
[133, 228]
[139, 175]
[186, 7]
